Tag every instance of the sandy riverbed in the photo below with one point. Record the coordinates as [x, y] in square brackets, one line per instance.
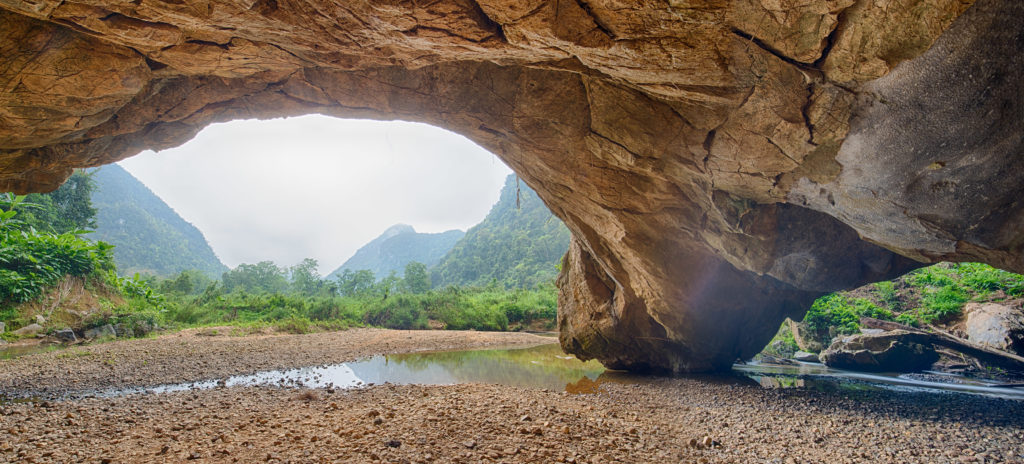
[640, 420]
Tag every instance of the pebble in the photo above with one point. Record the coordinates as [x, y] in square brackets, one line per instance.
[646, 419]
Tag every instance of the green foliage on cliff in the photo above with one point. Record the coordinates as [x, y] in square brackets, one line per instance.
[930, 295]
[514, 246]
[149, 237]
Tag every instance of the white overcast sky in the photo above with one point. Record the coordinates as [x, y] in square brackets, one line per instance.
[319, 187]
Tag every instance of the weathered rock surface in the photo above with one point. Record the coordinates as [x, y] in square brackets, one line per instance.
[101, 331]
[29, 330]
[806, 357]
[803, 337]
[892, 351]
[65, 336]
[719, 163]
[996, 325]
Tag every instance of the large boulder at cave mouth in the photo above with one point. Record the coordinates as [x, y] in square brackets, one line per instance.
[996, 325]
[892, 351]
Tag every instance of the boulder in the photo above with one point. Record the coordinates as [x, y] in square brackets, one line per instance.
[893, 351]
[124, 330]
[3, 327]
[719, 164]
[29, 330]
[40, 319]
[996, 325]
[804, 356]
[66, 336]
[102, 331]
[804, 337]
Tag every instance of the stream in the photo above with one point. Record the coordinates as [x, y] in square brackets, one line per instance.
[547, 367]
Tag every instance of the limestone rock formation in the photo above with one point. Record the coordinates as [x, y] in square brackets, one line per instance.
[892, 351]
[996, 325]
[720, 163]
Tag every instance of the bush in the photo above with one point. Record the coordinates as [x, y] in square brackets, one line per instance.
[984, 279]
[942, 304]
[398, 312]
[832, 311]
[30, 262]
[886, 292]
[837, 314]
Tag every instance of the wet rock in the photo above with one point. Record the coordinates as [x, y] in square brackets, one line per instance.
[102, 331]
[806, 357]
[65, 336]
[768, 359]
[996, 325]
[29, 330]
[893, 351]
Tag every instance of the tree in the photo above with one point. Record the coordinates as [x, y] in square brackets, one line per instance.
[187, 282]
[416, 280]
[356, 283]
[305, 278]
[264, 276]
[67, 209]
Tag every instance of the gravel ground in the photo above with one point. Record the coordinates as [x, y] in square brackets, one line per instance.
[628, 419]
[192, 355]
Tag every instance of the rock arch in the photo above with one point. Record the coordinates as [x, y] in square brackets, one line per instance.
[720, 164]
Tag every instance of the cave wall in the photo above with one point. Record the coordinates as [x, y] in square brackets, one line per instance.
[720, 163]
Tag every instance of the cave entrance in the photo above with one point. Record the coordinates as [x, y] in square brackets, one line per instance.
[320, 187]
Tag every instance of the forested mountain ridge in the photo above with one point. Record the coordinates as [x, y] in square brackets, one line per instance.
[399, 245]
[517, 246]
[149, 237]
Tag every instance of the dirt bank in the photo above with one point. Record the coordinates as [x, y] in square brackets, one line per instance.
[627, 420]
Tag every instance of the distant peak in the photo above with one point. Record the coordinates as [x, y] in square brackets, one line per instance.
[398, 229]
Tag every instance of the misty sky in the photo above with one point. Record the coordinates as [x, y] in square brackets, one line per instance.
[319, 187]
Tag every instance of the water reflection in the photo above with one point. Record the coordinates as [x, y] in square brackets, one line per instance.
[544, 366]
[548, 367]
[17, 350]
[823, 378]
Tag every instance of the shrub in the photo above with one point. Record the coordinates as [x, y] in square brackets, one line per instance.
[886, 292]
[984, 279]
[398, 312]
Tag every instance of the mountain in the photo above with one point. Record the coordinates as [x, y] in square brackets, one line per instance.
[518, 247]
[399, 245]
[149, 237]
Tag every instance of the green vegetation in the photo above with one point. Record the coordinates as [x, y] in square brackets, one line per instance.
[931, 295]
[837, 314]
[176, 281]
[306, 303]
[67, 209]
[31, 260]
[518, 245]
[149, 237]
